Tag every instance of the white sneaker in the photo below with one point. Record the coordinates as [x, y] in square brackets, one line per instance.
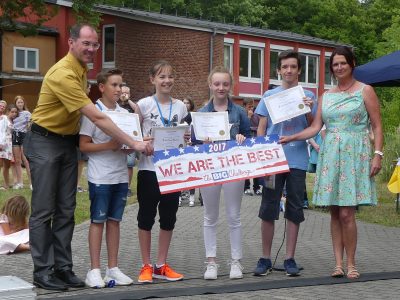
[116, 275]
[236, 269]
[18, 186]
[211, 272]
[191, 201]
[94, 280]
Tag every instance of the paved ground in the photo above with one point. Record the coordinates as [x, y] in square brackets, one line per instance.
[378, 260]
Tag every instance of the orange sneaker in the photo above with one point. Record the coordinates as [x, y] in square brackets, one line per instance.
[146, 274]
[166, 272]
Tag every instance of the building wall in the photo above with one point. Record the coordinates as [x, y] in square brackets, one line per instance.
[28, 89]
[140, 44]
[45, 44]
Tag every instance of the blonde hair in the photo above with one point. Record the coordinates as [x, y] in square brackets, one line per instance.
[17, 211]
[4, 102]
[219, 69]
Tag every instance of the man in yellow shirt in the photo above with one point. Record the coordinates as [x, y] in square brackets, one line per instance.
[50, 147]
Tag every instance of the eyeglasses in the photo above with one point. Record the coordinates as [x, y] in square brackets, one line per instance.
[88, 44]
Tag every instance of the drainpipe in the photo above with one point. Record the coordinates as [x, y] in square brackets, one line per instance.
[212, 53]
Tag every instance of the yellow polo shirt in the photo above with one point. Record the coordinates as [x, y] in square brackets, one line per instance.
[61, 96]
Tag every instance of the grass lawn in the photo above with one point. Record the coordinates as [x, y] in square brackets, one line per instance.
[82, 210]
[384, 213]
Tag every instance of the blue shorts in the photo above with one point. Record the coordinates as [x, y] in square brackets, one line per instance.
[131, 159]
[295, 184]
[107, 201]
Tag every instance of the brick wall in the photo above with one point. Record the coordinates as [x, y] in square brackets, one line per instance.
[140, 44]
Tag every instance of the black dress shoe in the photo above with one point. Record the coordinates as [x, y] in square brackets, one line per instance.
[49, 282]
[69, 278]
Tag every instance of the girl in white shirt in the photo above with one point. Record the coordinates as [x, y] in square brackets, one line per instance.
[158, 110]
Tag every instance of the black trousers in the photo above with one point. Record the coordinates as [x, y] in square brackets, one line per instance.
[54, 169]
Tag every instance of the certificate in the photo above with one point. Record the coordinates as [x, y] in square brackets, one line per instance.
[128, 123]
[166, 138]
[211, 125]
[286, 105]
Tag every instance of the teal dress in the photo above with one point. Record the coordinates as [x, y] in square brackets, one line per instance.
[342, 175]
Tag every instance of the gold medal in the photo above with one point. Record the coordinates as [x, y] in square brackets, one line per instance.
[135, 133]
[301, 106]
[221, 132]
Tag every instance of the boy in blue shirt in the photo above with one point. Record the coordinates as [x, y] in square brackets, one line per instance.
[296, 153]
[108, 184]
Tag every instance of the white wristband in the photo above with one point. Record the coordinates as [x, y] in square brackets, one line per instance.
[380, 153]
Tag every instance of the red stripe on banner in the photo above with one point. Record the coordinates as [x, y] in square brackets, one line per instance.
[190, 179]
[280, 163]
[166, 183]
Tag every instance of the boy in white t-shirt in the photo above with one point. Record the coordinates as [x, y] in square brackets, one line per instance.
[108, 184]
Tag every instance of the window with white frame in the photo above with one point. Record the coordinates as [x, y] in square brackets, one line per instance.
[26, 59]
[228, 56]
[251, 63]
[274, 52]
[328, 78]
[309, 68]
[273, 65]
[108, 46]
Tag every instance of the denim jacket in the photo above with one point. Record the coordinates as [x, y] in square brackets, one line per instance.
[237, 118]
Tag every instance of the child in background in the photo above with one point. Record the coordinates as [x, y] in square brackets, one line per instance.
[14, 233]
[108, 184]
[6, 154]
[20, 127]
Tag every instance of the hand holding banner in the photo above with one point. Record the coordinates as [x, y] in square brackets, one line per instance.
[217, 163]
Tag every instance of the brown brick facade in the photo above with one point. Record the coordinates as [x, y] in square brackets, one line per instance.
[187, 50]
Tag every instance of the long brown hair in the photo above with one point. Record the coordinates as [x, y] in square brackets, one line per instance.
[17, 211]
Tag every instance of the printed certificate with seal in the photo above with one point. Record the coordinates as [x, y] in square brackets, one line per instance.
[286, 105]
[128, 123]
[166, 138]
[211, 125]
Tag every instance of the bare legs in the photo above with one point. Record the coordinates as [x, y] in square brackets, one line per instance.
[112, 238]
[19, 157]
[164, 240]
[6, 172]
[344, 234]
[267, 235]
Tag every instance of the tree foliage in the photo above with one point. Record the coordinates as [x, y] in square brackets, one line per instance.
[33, 13]
[26, 16]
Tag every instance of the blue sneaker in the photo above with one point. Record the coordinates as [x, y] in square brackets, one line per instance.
[305, 204]
[264, 267]
[291, 267]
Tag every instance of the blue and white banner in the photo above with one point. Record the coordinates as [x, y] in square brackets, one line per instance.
[209, 164]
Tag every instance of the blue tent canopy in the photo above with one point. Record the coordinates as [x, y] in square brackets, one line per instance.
[383, 71]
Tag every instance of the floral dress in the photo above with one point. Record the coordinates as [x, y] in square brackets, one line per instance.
[5, 138]
[342, 175]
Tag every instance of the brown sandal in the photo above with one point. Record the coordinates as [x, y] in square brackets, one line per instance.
[338, 272]
[352, 273]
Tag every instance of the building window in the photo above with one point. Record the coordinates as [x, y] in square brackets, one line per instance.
[26, 59]
[109, 46]
[251, 63]
[329, 78]
[273, 65]
[228, 56]
[309, 70]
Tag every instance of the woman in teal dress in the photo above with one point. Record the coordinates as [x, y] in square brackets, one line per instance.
[346, 164]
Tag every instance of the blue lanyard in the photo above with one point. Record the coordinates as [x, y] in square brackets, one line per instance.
[159, 110]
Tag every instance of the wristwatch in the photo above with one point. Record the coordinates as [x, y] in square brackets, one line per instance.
[380, 153]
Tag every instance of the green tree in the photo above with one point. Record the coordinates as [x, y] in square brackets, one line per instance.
[26, 16]
[33, 13]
